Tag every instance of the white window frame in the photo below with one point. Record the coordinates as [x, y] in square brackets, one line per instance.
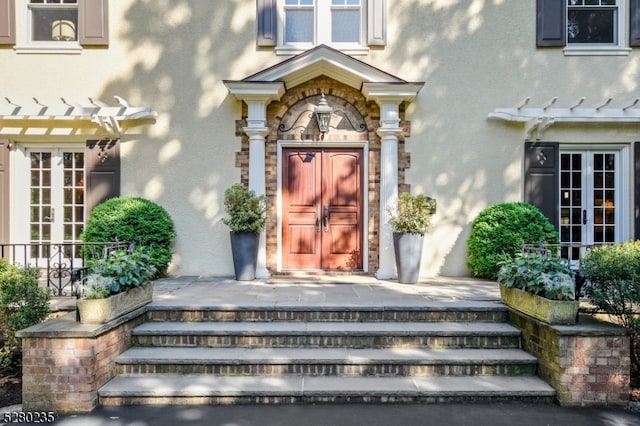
[322, 31]
[26, 45]
[618, 48]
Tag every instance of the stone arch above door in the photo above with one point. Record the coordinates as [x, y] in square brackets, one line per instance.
[291, 121]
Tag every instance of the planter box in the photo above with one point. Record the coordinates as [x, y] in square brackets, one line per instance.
[549, 311]
[100, 311]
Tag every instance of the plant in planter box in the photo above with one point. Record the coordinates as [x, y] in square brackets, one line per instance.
[117, 284]
[246, 219]
[410, 220]
[539, 285]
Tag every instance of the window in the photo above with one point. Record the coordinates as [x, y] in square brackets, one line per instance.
[589, 26]
[54, 25]
[296, 25]
[314, 22]
[592, 22]
[53, 20]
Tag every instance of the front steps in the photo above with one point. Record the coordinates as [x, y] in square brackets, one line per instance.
[446, 352]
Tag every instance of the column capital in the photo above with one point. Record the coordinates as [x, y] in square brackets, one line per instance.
[256, 132]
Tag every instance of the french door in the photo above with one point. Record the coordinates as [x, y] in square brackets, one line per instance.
[322, 209]
[590, 199]
[56, 199]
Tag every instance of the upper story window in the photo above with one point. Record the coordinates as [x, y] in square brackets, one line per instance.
[589, 27]
[296, 25]
[53, 21]
[593, 22]
[336, 23]
[50, 26]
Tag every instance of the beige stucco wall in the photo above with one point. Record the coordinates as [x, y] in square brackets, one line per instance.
[473, 55]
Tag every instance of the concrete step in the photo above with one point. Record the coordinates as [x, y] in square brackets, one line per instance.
[326, 362]
[210, 389]
[328, 334]
[460, 310]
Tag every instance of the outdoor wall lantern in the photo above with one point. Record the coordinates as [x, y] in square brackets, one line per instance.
[323, 115]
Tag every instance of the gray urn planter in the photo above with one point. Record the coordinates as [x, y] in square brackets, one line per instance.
[100, 311]
[549, 311]
[408, 250]
[244, 249]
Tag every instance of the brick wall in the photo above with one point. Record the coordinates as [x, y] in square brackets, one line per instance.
[62, 372]
[358, 110]
[588, 364]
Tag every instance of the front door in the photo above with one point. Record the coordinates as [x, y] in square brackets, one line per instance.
[322, 209]
[590, 199]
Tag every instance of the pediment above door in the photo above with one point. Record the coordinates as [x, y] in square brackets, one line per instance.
[373, 82]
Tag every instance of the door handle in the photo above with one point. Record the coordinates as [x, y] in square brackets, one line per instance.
[326, 218]
[584, 217]
[318, 220]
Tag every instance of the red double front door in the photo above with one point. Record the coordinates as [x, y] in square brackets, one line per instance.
[322, 209]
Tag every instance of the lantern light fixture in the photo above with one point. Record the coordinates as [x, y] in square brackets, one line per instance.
[323, 113]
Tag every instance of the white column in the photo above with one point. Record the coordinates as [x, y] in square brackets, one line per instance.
[256, 130]
[389, 131]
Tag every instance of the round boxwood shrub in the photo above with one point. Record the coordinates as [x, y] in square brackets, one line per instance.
[499, 232]
[134, 220]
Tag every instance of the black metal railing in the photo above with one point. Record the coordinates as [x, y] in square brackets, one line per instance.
[62, 266]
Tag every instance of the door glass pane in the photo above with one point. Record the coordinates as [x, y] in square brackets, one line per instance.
[571, 177]
[604, 198]
[56, 210]
[588, 197]
[73, 195]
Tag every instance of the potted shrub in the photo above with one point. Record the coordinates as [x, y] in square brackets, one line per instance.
[116, 284]
[539, 285]
[246, 219]
[410, 221]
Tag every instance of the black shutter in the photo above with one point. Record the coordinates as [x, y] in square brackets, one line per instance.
[551, 23]
[636, 185]
[267, 23]
[7, 22]
[541, 165]
[102, 171]
[4, 191]
[634, 23]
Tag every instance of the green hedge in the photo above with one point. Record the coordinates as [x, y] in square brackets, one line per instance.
[134, 220]
[499, 232]
[613, 284]
[22, 304]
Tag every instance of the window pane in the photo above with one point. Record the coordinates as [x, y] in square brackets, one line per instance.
[299, 26]
[591, 25]
[54, 24]
[345, 26]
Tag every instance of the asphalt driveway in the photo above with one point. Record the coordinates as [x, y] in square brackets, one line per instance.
[497, 414]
